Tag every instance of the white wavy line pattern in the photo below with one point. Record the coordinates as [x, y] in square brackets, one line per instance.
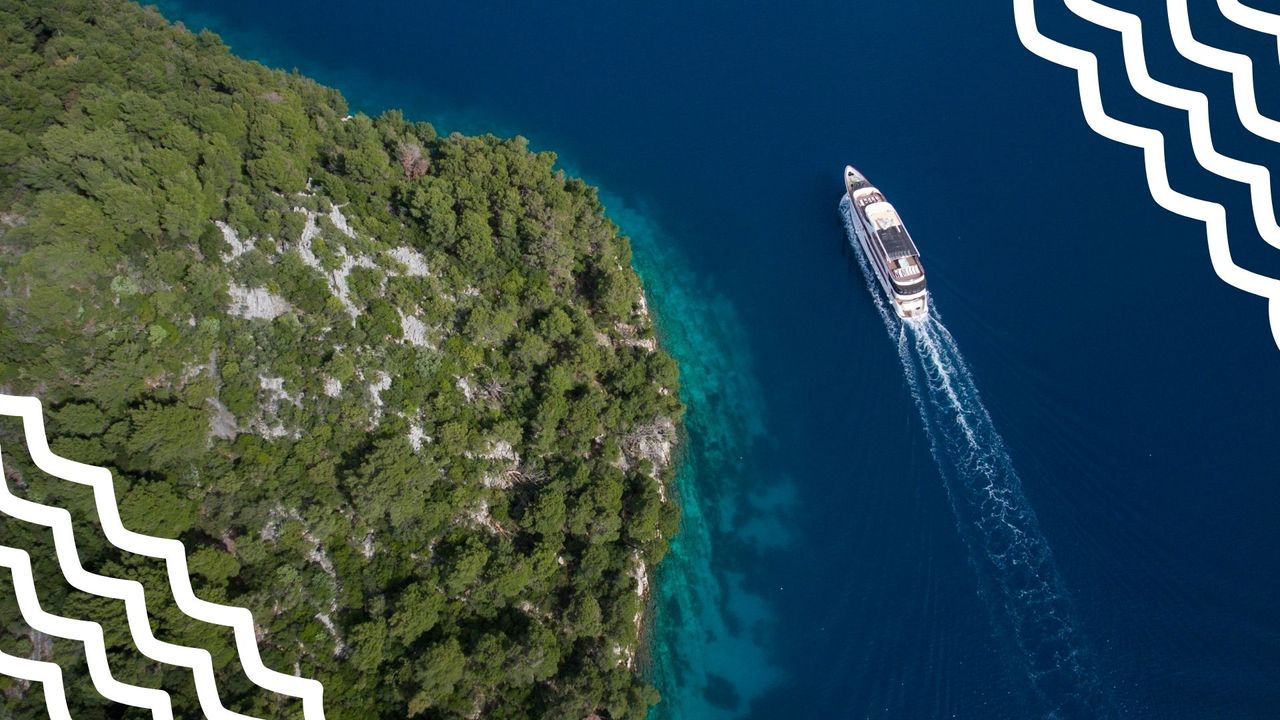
[1151, 142]
[311, 691]
[47, 674]
[171, 551]
[1197, 106]
[1239, 66]
[88, 633]
[129, 591]
[1251, 18]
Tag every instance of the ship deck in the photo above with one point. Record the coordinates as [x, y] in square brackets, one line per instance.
[896, 242]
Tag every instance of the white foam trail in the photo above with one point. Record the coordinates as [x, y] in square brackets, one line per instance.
[131, 592]
[1016, 572]
[88, 633]
[1252, 18]
[1151, 142]
[47, 674]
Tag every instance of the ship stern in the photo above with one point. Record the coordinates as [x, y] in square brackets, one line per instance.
[916, 308]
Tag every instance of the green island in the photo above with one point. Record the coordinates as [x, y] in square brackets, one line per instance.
[398, 393]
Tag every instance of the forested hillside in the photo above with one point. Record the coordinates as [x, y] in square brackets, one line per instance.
[397, 393]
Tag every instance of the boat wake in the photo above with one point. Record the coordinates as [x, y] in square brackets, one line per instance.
[1029, 605]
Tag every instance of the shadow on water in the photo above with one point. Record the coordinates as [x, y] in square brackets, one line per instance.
[1030, 608]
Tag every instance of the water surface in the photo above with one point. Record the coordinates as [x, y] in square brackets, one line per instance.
[823, 569]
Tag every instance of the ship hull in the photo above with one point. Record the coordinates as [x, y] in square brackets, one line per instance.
[908, 305]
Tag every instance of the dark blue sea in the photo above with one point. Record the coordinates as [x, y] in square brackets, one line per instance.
[1060, 499]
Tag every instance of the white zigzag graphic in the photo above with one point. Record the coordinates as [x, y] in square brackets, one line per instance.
[89, 633]
[130, 591]
[1151, 142]
[1197, 106]
[171, 551]
[47, 674]
[1240, 67]
[1251, 18]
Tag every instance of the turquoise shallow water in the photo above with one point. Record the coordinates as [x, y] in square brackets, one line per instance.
[707, 630]
[707, 623]
[826, 567]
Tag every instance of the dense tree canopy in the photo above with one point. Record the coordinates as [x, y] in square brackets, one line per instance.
[397, 393]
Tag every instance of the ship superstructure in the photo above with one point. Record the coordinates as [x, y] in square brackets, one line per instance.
[888, 247]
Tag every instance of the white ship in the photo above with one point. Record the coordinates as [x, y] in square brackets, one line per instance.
[887, 246]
